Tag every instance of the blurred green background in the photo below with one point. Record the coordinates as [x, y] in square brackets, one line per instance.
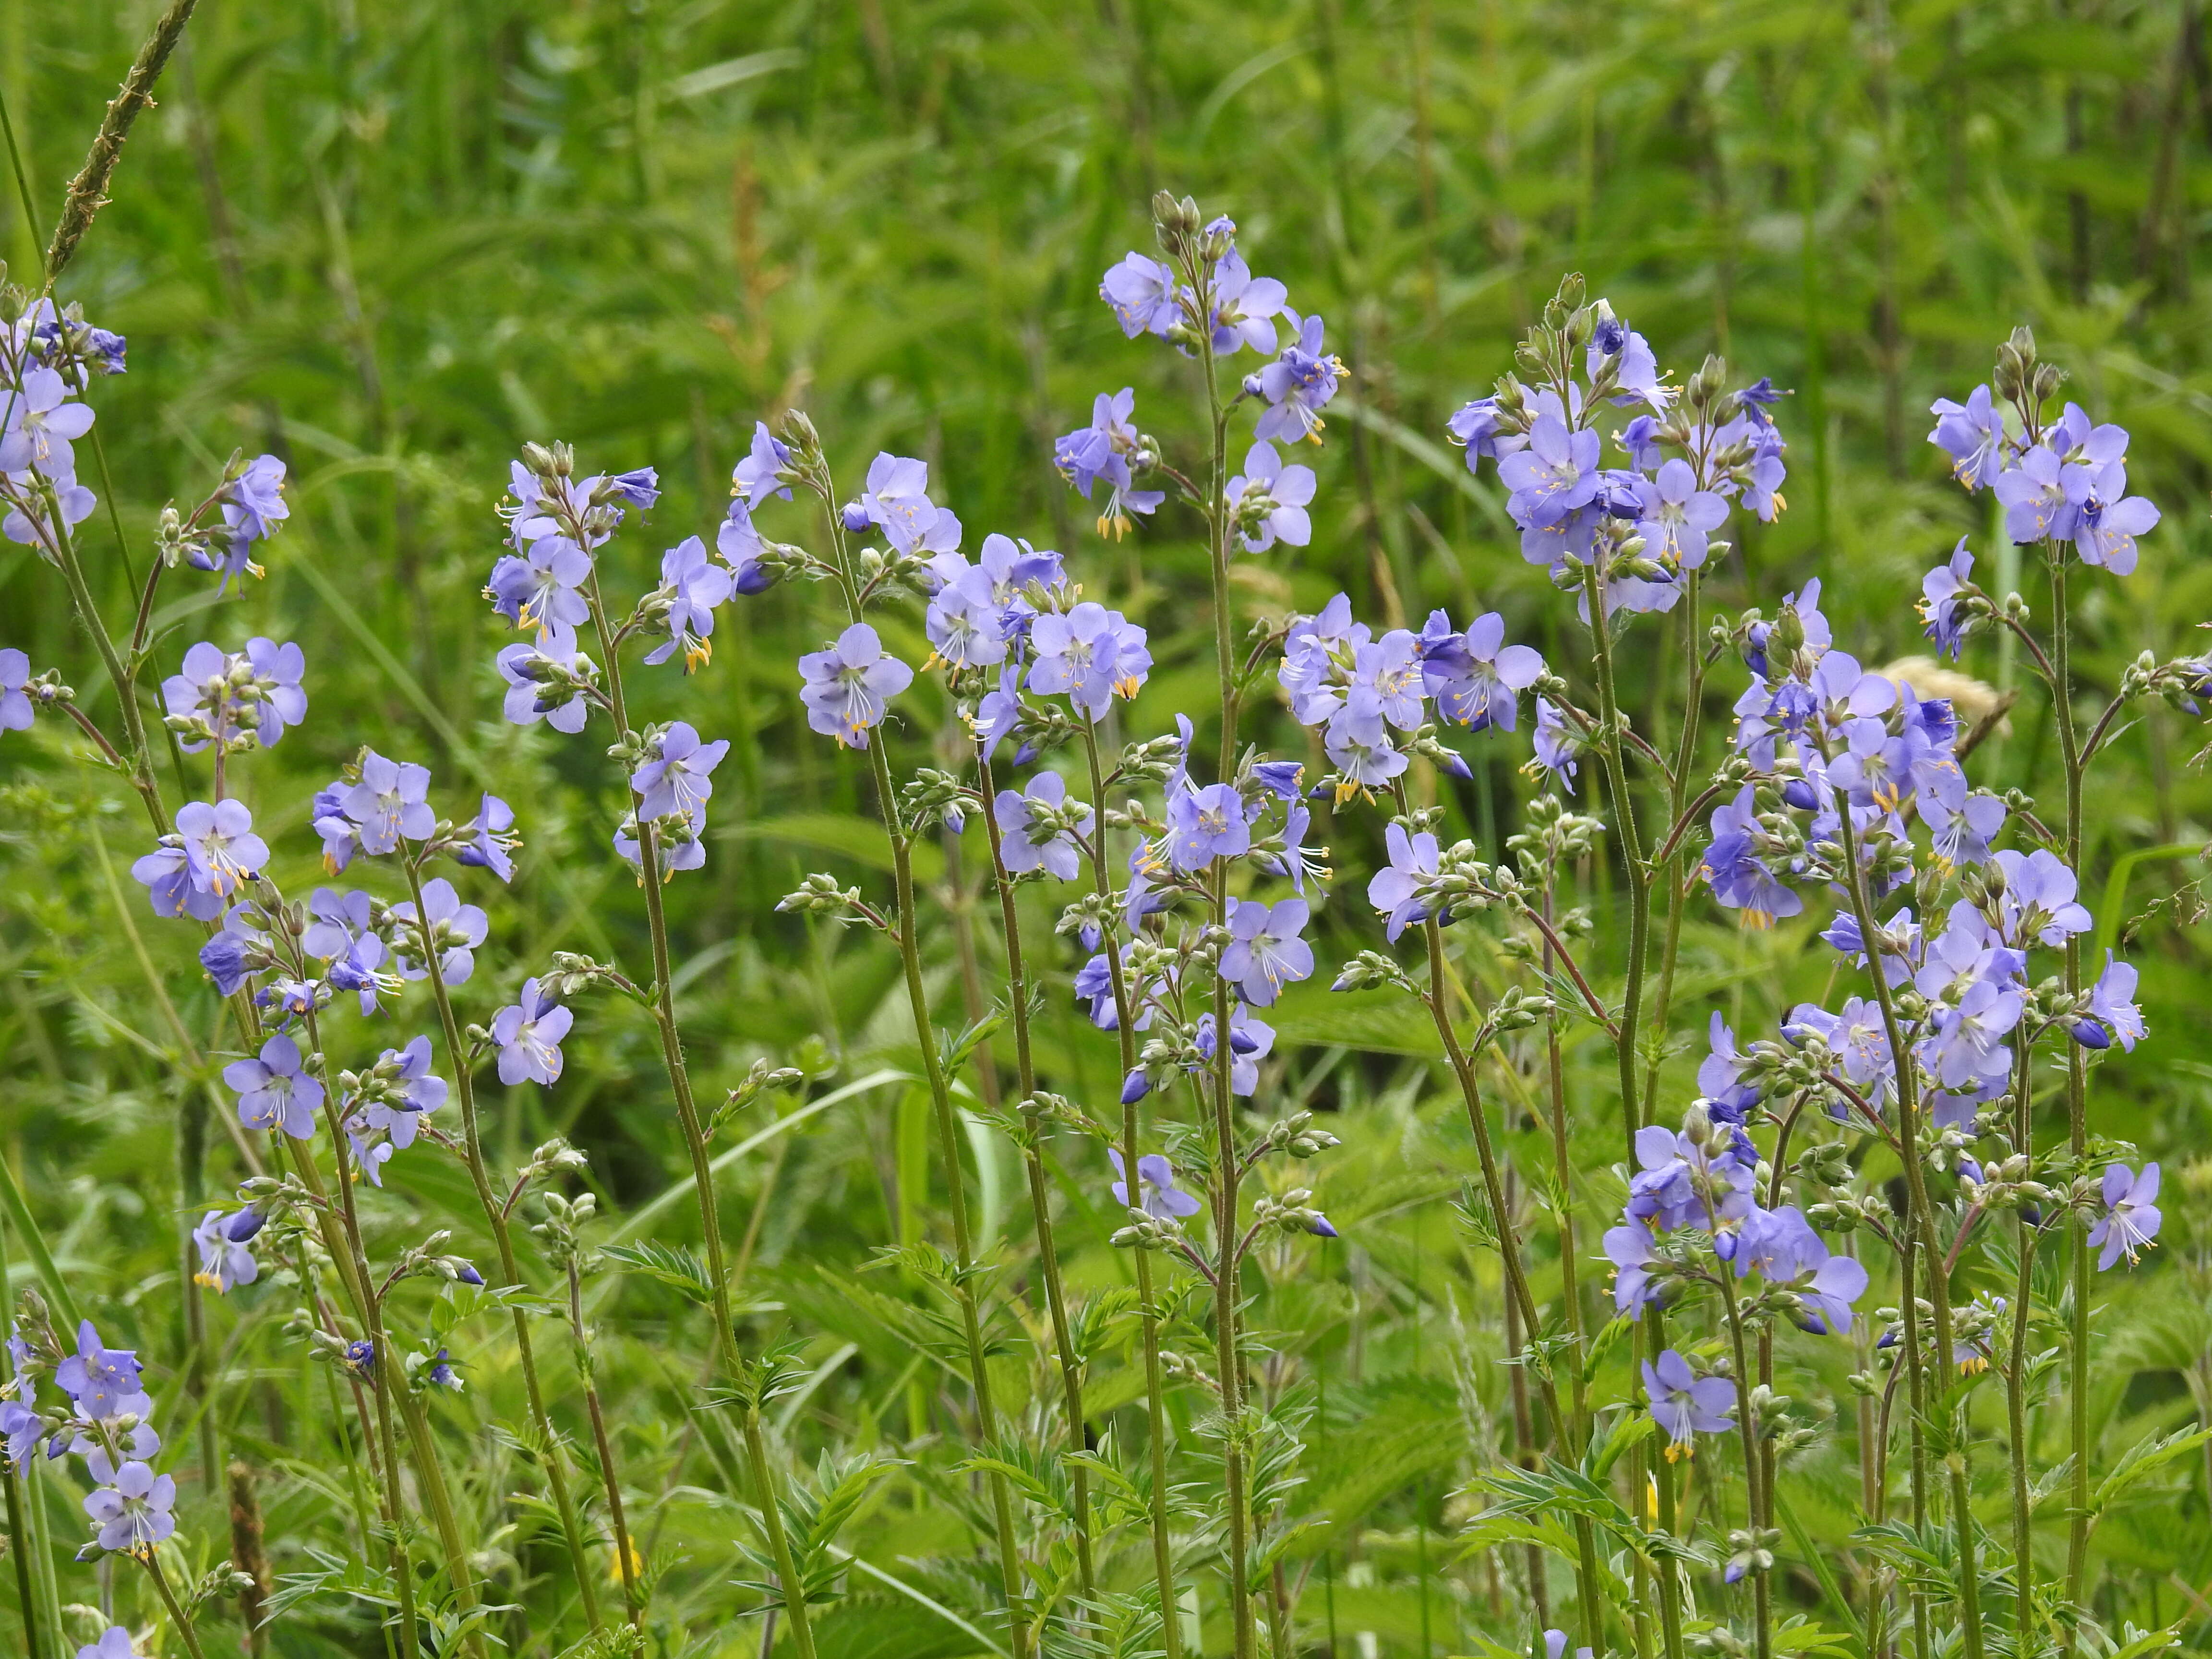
[391, 240]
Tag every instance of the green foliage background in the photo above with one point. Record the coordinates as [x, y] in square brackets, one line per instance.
[392, 241]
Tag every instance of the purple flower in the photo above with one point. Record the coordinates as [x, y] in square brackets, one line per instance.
[2034, 497]
[529, 1032]
[1091, 654]
[1103, 450]
[224, 1261]
[38, 423]
[675, 779]
[1142, 293]
[253, 506]
[1628, 1247]
[1555, 1645]
[344, 935]
[1318, 654]
[1557, 745]
[542, 683]
[114, 1644]
[1635, 370]
[1475, 426]
[221, 852]
[543, 589]
[1836, 1284]
[274, 1090]
[1029, 844]
[2113, 1010]
[1740, 877]
[239, 952]
[489, 846]
[695, 586]
[965, 622]
[131, 1505]
[1475, 677]
[1244, 307]
[1940, 590]
[1269, 501]
[897, 503]
[16, 710]
[1687, 1405]
[849, 685]
[1971, 434]
[742, 549]
[1297, 384]
[1155, 1181]
[453, 931]
[1967, 1045]
[1678, 517]
[1205, 824]
[1359, 746]
[1264, 952]
[1397, 890]
[101, 1379]
[1250, 1039]
[1556, 474]
[1858, 1037]
[2132, 1217]
[1387, 679]
[390, 803]
[2037, 902]
[754, 478]
[2109, 519]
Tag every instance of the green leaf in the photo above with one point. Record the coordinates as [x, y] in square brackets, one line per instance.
[673, 1264]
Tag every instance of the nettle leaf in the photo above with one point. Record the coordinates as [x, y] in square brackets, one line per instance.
[671, 1264]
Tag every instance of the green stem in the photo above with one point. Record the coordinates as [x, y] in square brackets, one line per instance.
[134, 724]
[1018, 994]
[695, 1141]
[2078, 1123]
[1755, 1503]
[940, 1095]
[611, 1478]
[1148, 1312]
[178, 1616]
[502, 1236]
[2023, 1534]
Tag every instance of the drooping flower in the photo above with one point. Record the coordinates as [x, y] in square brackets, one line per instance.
[696, 585]
[344, 935]
[1940, 590]
[849, 686]
[275, 1089]
[1686, 1405]
[2113, 1010]
[224, 1261]
[491, 845]
[1142, 293]
[1104, 451]
[1558, 745]
[253, 509]
[2132, 1217]
[1629, 1248]
[545, 683]
[1264, 952]
[1268, 499]
[1155, 1183]
[528, 1032]
[754, 478]
[1971, 434]
[897, 502]
[1298, 385]
[1397, 890]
